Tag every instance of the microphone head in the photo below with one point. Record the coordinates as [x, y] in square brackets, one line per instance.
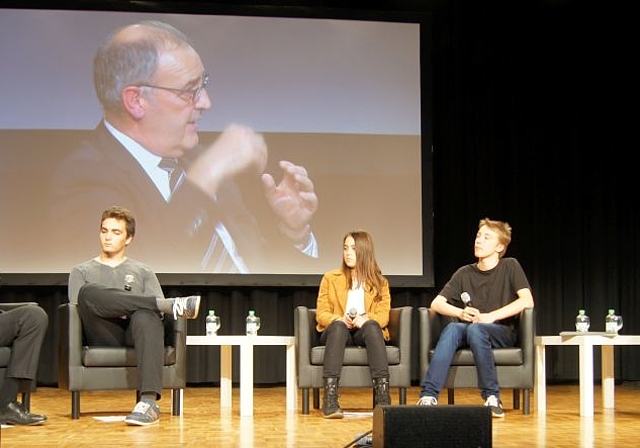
[352, 313]
[466, 298]
[128, 279]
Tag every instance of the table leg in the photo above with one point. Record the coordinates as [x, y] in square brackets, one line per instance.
[292, 387]
[586, 378]
[608, 377]
[225, 375]
[541, 378]
[246, 379]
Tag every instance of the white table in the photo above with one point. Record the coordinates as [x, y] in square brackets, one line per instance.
[246, 344]
[586, 342]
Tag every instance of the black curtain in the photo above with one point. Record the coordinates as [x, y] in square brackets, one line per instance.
[524, 130]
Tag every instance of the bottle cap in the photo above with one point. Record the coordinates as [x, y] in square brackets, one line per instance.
[611, 311]
[212, 312]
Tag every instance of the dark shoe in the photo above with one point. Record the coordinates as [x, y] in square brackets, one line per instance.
[15, 414]
[143, 414]
[495, 405]
[330, 406]
[381, 391]
[186, 307]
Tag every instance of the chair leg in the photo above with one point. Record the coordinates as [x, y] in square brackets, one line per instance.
[526, 398]
[451, 395]
[176, 401]
[403, 395]
[516, 398]
[316, 398]
[305, 401]
[75, 404]
[26, 400]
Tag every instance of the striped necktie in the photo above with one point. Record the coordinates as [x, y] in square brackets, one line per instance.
[174, 170]
[217, 257]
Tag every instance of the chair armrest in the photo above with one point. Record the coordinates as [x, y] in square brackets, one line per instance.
[302, 334]
[426, 339]
[180, 341]
[527, 333]
[69, 342]
[400, 328]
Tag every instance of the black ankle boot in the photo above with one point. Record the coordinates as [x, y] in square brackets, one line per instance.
[381, 388]
[330, 406]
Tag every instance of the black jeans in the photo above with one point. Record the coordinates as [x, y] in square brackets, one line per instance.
[114, 317]
[336, 337]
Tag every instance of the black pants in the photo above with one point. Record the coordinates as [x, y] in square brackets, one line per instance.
[114, 317]
[336, 337]
[24, 328]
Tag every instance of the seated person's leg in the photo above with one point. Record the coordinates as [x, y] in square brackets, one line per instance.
[146, 334]
[451, 338]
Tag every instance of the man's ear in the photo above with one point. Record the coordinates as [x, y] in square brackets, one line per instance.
[133, 101]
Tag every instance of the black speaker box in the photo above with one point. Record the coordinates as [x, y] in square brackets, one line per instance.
[460, 426]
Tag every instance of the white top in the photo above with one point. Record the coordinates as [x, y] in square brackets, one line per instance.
[355, 298]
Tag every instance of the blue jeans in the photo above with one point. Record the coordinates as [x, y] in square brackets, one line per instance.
[480, 338]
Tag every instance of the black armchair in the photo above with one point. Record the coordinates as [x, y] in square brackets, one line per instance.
[82, 367]
[355, 371]
[515, 366]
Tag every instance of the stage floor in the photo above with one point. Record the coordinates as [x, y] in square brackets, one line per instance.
[203, 424]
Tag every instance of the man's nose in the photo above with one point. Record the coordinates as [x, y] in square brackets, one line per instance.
[204, 100]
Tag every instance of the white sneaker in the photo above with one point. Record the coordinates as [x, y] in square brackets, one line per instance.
[186, 307]
[427, 401]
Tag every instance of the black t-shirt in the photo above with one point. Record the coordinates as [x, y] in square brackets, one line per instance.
[489, 290]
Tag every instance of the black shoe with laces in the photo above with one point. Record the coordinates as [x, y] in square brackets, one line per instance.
[15, 414]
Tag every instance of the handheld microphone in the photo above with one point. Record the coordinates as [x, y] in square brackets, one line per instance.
[466, 299]
[128, 279]
[352, 313]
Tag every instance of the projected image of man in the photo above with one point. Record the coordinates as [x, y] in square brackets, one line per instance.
[146, 154]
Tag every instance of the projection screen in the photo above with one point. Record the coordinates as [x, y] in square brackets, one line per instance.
[343, 98]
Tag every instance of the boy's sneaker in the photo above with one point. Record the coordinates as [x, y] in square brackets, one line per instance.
[186, 307]
[495, 405]
[427, 401]
[143, 414]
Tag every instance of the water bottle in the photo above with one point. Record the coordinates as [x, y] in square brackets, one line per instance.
[253, 323]
[612, 323]
[582, 321]
[212, 324]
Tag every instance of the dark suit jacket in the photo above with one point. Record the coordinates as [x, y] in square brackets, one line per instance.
[101, 173]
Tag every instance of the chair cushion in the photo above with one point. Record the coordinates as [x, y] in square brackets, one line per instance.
[5, 355]
[511, 356]
[355, 356]
[93, 356]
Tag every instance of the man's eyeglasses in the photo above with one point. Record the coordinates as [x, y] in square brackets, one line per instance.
[190, 95]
